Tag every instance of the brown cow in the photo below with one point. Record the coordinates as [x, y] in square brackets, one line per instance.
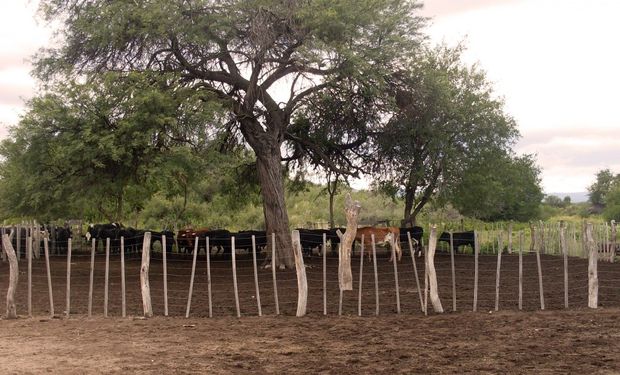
[186, 238]
[383, 235]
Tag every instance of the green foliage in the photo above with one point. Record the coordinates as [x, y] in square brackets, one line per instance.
[605, 181]
[612, 208]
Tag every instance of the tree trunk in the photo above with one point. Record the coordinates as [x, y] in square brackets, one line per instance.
[274, 207]
[408, 219]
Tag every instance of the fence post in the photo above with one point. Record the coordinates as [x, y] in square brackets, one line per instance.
[208, 251]
[540, 280]
[324, 254]
[396, 273]
[234, 269]
[612, 257]
[565, 255]
[165, 266]
[592, 268]
[123, 297]
[29, 256]
[92, 271]
[453, 271]
[49, 274]
[374, 263]
[499, 265]
[107, 276]
[521, 236]
[260, 311]
[359, 296]
[273, 272]
[11, 310]
[432, 275]
[415, 270]
[476, 251]
[191, 280]
[302, 281]
[68, 300]
[144, 276]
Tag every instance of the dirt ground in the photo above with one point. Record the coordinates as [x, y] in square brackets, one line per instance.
[508, 341]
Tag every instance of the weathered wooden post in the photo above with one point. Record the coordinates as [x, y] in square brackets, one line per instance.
[359, 296]
[432, 275]
[302, 281]
[258, 304]
[499, 265]
[165, 266]
[592, 268]
[374, 263]
[521, 236]
[540, 279]
[92, 271]
[612, 256]
[345, 277]
[208, 281]
[564, 250]
[144, 276]
[11, 309]
[68, 299]
[191, 280]
[49, 273]
[123, 296]
[324, 274]
[415, 271]
[476, 252]
[453, 271]
[233, 252]
[273, 272]
[107, 276]
[29, 256]
[395, 274]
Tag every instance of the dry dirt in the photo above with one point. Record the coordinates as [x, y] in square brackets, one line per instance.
[577, 340]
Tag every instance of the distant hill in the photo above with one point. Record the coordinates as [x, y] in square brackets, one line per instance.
[574, 197]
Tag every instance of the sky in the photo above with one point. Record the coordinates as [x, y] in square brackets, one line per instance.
[554, 62]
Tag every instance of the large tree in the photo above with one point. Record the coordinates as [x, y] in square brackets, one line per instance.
[260, 57]
[446, 118]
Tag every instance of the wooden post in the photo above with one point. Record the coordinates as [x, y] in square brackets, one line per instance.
[359, 296]
[273, 272]
[68, 299]
[144, 276]
[395, 274]
[540, 281]
[208, 281]
[432, 275]
[123, 290]
[476, 252]
[374, 263]
[345, 276]
[11, 309]
[92, 271]
[612, 256]
[49, 274]
[499, 265]
[258, 304]
[592, 268]
[302, 281]
[191, 279]
[107, 276]
[415, 270]
[29, 256]
[234, 269]
[165, 266]
[324, 274]
[425, 280]
[453, 271]
[521, 235]
[564, 249]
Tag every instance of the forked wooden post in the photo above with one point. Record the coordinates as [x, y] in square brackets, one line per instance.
[107, 276]
[11, 309]
[147, 307]
[258, 304]
[359, 295]
[564, 250]
[453, 271]
[432, 275]
[165, 266]
[592, 268]
[476, 252]
[92, 272]
[123, 296]
[415, 270]
[49, 273]
[273, 273]
[302, 281]
[233, 252]
[191, 280]
[374, 263]
[68, 299]
[208, 253]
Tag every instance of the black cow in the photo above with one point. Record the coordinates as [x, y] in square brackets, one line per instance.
[243, 240]
[459, 239]
[313, 238]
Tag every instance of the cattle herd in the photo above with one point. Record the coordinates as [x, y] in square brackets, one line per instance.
[220, 241]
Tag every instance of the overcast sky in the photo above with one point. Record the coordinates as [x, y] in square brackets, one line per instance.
[555, 62]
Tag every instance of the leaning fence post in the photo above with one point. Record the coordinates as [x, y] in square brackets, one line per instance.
[415, 270]
[592, 268]
[432, 275]
[49, 274]
[302, 281]
[11, 309]
[144, 276]
[68, 300]
[191, 280]
[260, 311]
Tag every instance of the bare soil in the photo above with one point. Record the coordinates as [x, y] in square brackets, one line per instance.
[556, 340]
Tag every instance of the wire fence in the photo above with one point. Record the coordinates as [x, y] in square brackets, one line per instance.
[212, 282]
